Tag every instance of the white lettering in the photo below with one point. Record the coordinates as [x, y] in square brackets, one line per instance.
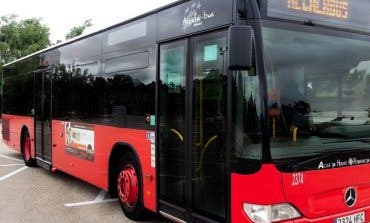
[321, 165]
[193, 16]
[298, 179]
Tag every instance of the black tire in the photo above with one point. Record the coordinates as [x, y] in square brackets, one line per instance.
[136, 211]
[30, 162]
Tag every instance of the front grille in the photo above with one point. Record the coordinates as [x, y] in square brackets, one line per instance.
[5, 129]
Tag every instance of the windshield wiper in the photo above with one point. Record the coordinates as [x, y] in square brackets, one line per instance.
[321, 156]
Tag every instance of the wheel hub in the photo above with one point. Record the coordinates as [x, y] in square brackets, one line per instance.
[27, 148]
[127, 184]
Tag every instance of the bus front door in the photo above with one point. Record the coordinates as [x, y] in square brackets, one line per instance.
[42, 116]
[192, 116]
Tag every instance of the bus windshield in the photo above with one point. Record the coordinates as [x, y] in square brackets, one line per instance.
[318, 95]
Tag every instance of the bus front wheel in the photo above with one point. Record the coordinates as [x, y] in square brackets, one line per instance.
[129, 187]
[26, 148]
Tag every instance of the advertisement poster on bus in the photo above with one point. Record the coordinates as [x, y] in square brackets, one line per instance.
[79, 140]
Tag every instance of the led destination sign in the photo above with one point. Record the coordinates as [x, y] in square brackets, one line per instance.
[348, 14]
[331, 8]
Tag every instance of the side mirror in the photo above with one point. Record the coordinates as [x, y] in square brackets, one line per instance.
[240, 47]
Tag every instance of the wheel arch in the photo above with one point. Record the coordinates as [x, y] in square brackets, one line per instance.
[118, 150]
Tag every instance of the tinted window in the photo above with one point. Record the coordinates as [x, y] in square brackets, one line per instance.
[18, 95]
[62, 94]
[88, 69]
[319, 88]
[135, 35]
[247, 148]
[86, 48]
[172, 121]
[209, 125]
[84, 93]
[129, 62]
[128, 98]
[61, 84]
[27, 66]
[128, 33]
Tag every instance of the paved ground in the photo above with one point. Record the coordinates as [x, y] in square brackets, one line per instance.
[36, 195]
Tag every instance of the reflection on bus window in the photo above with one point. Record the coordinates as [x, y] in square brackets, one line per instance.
[246, 119]
[318, 89]
[208, 125]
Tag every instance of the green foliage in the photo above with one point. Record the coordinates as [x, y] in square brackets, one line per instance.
[78, 30]
[18, 39]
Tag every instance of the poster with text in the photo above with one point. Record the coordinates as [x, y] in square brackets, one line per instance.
[79, 140]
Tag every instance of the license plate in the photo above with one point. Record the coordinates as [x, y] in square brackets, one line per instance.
[354, 218]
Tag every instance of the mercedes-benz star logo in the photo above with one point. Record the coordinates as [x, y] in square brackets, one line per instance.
[350, 197]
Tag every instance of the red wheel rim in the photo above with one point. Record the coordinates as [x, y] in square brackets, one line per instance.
[128, 186]
[27, 148]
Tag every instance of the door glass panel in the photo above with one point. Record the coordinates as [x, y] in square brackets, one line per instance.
[47, 115]
[39, 112]
[208, 126]
[171, 122]
[42, 114]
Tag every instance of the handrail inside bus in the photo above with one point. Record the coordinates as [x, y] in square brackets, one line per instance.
[178, 134]
[204, 151]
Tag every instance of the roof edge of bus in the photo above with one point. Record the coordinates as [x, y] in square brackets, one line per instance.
[162, 8]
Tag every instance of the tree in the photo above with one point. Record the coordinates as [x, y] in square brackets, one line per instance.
[20, 38]
[78, 30]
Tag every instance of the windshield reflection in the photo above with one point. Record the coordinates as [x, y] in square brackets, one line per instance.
[319, 92]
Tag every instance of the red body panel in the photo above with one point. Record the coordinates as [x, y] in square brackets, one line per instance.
[263, 187]
[16, 124]
[96, 172]
[317, 195]
[322, 192]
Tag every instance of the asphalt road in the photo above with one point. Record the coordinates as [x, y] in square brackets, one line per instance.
[36, 195]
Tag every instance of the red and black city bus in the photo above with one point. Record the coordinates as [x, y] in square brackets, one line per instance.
[208, 111]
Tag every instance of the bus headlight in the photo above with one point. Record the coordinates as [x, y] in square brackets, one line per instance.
[270, 213]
